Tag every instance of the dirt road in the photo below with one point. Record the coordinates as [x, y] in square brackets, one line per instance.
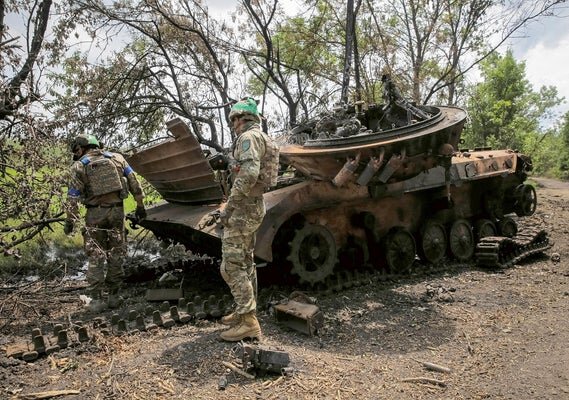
[503, 335]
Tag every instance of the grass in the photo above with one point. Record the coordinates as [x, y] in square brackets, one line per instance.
[50, 250]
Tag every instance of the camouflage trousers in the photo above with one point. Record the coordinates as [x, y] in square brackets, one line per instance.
[237, 246]
[105, 247]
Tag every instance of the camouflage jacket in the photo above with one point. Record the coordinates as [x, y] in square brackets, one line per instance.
[255, 165]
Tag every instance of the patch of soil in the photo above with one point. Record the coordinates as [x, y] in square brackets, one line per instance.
[502, 334]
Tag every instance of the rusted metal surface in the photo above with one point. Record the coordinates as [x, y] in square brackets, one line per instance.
[178, 169]
[261, 358]
[404, 204]
[366, 199]
[416, 145]
[302, 317]
[162, 294]
[191, 225]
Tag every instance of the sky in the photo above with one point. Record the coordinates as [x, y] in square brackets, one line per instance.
[544, 46]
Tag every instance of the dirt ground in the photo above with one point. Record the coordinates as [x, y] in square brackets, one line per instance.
[503, 335]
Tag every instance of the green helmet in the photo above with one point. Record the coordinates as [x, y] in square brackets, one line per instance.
[84, 141]
[246, 106]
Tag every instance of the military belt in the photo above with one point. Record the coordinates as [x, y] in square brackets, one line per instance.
[104, 205]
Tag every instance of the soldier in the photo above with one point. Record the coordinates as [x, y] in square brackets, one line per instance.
[101, 181]
[257, 158]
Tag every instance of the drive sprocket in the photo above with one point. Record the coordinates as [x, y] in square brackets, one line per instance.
[313, 253]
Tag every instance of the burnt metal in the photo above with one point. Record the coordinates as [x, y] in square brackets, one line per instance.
[502, 252]
[62, 339]
[302, 317]
[261, 358]
[30, 356]
[122, 327]
[163, 294]
[176, 168]
[222, 382]
[360, 187]
[39, 343]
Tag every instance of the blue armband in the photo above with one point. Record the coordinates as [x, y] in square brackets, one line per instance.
[127, 170]
[73, 192]
[85, 160]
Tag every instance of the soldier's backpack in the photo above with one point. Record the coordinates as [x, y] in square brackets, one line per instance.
[269, 162]
[102, 174]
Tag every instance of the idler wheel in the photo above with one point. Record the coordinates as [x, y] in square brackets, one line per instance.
[526, 200]
[508, 227]
[433, 242]
[312, 253]
[399, 250]
[484, 228]
[461, 240]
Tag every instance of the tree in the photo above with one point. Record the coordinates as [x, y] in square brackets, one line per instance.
[264, 59]
[30, 154]
[177, 63]
[20, 89]
[504, 109]
[564, 148]
[429, 45]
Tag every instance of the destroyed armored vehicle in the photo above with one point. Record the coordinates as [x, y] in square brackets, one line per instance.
[360, 188]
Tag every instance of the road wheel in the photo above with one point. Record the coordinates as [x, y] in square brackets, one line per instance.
[432, 242]
[313, 253]
[508, 227]
[484, 228]
[461, 240]
[399, 250]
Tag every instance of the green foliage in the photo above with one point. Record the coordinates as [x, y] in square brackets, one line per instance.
[506, 112]
[563, 148]
[504, 109]
[111, 102]
[31, 181]
[564, 129]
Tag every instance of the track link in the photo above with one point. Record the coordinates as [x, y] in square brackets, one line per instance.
[503, 252]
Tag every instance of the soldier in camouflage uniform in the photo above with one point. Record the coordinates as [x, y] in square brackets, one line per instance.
[256, 170]
[101, 181]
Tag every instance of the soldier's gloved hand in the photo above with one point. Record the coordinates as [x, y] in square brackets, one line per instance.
[225, 215]
[140, 213]
[68, 227]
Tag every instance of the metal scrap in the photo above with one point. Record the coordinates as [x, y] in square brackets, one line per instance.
[302, 317]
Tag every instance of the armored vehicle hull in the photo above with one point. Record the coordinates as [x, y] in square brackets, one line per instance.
[319, 224]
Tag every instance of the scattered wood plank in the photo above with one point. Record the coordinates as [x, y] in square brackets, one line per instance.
[237, 370]
[434, 367]
[46, 395]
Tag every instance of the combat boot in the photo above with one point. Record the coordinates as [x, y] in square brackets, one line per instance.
[248, 327]
[97, 304]
[231, 319]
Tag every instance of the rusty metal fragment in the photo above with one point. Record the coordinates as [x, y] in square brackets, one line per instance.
[302, 317]
[262, 358]
[163, 294]
[176, 168]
